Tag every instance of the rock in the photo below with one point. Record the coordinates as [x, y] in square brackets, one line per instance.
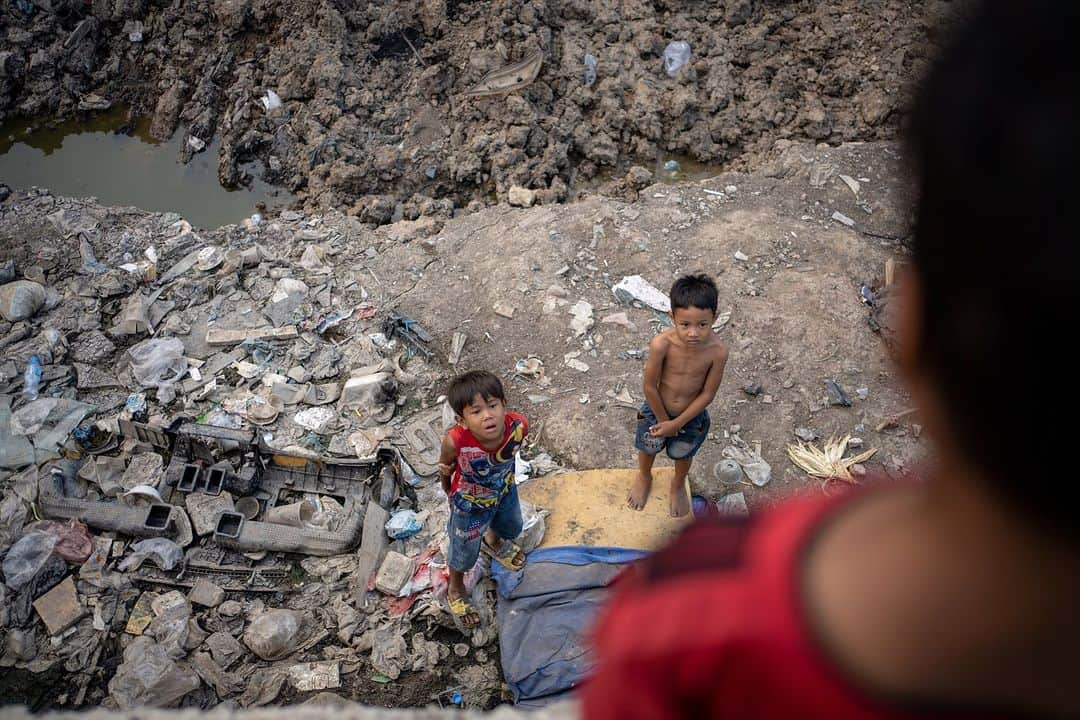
[837, 396]
[396, 570]
[224, 648]
[638, 177]
[21, 300]
[805, 434]
[230, 608]
[752, 389]
[206, 593]
[521, 197]
[741, 256]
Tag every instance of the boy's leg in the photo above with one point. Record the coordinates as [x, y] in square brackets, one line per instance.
[680, 499]
[465, 530]
[506, 525]
[639, 491]
[647, 446]
[682, 449]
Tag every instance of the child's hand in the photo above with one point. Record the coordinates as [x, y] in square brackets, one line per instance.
[445, 471]
[666, 429]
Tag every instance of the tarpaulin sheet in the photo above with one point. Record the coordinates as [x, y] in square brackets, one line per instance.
[545, 611]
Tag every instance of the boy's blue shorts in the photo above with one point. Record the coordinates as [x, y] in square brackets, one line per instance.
[681, 447]
[466, 529]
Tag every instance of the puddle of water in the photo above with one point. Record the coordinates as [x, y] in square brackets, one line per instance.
[79, 158]
[688, 170]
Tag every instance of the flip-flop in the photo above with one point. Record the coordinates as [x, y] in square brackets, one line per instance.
[460, 608]
[506, 555]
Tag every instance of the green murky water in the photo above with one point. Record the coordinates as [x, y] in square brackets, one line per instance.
[80, 158]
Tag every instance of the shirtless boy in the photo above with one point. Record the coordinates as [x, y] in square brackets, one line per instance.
[682, 374]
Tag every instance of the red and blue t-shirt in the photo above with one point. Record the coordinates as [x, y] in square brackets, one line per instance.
[481, 477]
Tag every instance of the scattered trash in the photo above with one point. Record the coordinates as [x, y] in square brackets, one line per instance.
[32, 379]
[457, 344]
[571, 361]
[852, 184]
[672, 166]
[509, 78]
[676, 56]
[504, 310]
[828, 462]
[589, 77]
[73, 541]
[635, 287]
[805, 434]
[749, 460]
[403, 524]
[159, 363]
[162, 552]
[842, 219]
[741, 256]
[866, 296]
[149, 677]
[733, 505]
[728, 472]
[26, 557]
[59, 608]
[273, 634]
[312, 676]
[21, 300]
[271, 101]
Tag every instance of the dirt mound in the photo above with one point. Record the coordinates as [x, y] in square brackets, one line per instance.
[374, 119]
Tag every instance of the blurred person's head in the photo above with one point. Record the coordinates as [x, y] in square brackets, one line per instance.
[984, 339]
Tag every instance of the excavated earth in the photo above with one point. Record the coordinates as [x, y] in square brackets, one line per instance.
[375, 121]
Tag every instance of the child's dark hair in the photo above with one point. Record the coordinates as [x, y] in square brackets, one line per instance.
[995, 152]
[465, 387]
[697, 291]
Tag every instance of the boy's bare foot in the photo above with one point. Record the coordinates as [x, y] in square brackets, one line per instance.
[680, 501]
[639, 491]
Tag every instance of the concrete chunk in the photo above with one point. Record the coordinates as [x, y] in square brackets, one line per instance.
[206, 593]
[396, 570]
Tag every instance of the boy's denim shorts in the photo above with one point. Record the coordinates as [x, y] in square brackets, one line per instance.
[466, 529]
[681, 447]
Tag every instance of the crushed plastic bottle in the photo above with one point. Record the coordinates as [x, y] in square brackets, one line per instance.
[32, 379]
[676, 55]
[590, 70]
[672, 166]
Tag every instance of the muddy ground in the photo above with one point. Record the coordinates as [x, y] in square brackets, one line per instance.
[374, 121]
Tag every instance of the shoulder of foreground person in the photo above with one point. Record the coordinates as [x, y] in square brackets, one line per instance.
[713, 625]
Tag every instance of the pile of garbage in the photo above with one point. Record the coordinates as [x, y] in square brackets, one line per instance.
[215, 484]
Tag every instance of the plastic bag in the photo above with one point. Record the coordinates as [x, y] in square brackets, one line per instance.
[273, 634]
[73, 540]
[160, 363]
[533, 526]
[163, 552]
[26, 557]
[676, 55]
[403, 524]
[148, 676]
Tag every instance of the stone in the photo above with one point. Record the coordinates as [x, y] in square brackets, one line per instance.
[521, 197]
[752, 389]
[206, 593]
[396, 570]
[224, 648]
[230, 608]
[805, 434]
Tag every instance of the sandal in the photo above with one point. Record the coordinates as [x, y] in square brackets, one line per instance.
[461, 610]
[508, 554]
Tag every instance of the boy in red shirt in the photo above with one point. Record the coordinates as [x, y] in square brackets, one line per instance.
[956, 596]
[476, 468]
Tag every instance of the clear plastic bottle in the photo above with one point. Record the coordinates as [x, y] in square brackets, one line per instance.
[32, 379]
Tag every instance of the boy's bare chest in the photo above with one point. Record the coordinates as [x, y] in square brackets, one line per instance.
[681, 363]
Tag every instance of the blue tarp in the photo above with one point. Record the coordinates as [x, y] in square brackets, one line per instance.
[544, 611]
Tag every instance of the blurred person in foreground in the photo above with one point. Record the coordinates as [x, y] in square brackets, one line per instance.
[959, 595]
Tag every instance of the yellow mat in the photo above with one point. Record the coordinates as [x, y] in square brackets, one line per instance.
[589, 508]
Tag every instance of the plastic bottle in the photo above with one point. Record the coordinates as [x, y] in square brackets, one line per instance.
[676, 55]
[32, 379]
